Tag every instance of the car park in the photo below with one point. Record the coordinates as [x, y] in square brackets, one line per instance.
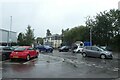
[24, 52]
[64, 49]
[44, 48]
[5, 52]
[95, 51]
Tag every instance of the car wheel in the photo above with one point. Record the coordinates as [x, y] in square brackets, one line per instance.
[11, 59]
[78, 51]
[46, 50]
[102, 56]
[37, 55]
[84, 54]
[51, 51]
[3, 57]
[73, 51]
[28, 57]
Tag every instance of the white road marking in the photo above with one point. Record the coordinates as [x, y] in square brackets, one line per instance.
[82, 62]
[89, 64]
[49, 63]
[93, 64]
[115, 69]
[99, 66]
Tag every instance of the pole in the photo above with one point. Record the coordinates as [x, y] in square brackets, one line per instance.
[90, 37]
[10, 30]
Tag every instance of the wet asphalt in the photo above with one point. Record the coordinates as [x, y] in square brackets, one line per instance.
[61, 65]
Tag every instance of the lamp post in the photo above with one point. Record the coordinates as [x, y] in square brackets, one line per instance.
[10, 30]
[90, 36]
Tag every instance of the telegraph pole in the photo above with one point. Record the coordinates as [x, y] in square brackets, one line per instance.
[10, 30]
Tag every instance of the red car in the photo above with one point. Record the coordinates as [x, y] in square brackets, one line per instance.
[24, 52]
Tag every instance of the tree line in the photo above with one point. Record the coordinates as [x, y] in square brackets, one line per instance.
[105, 29]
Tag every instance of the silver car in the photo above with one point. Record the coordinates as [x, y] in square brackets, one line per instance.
[95, 51]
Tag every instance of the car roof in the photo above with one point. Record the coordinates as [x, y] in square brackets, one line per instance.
[25, 46]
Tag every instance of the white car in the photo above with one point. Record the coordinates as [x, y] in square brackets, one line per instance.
[79, 49]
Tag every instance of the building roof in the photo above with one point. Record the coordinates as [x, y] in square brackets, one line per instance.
[8, 30]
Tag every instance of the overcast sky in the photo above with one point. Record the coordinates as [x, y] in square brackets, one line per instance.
[50, 14]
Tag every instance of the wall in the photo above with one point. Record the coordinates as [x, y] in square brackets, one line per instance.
[4, 36]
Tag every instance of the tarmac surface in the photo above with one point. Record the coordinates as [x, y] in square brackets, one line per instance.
[61, 65]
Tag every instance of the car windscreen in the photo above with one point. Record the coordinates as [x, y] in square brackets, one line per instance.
[63, 47]
[20, 49]
[47, 47]
[102, 49]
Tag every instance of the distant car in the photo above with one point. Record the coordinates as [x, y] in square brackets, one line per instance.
[79, 49]
[108, 48]
[95, 51]
[5, 52]
[64, 49]
[24, 52]
[45, 48]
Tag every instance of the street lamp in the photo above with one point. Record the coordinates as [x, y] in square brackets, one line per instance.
[90, 36]
[88, 24]
[10, 30]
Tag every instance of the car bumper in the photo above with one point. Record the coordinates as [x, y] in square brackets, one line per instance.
[109, 56]
[17, 57]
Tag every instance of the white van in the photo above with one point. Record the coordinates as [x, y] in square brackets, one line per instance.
[79, 49]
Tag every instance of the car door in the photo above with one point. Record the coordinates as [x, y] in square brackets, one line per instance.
[95, 52]
[30, 51]
[88, 50]
[33, 52]
[7, 51]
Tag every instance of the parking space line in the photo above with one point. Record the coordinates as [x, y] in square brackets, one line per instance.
[115, 69]
[12, 63]
[89, 65]
[49, 63]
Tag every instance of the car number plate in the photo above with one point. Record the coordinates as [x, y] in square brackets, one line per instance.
[15, 56]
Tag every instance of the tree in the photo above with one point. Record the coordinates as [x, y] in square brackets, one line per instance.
[80, 33]
[29, 36]
[21, 39]
[48, 33]
[105, 27]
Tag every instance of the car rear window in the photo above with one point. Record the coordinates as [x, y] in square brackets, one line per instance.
[20, 49]
[89, 48]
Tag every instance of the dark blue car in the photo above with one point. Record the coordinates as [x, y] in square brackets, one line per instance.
[44, 48]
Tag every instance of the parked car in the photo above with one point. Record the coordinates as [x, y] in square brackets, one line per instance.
[64, 49]
[24, 52]
[78, 49]
[5, 52]
[108, 48]
[44, 48]
[95, 51]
